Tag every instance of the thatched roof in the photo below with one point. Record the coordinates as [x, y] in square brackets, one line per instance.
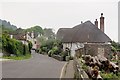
[85, 32]
[61, 32]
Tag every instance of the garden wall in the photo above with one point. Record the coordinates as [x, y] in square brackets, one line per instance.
[95, 49]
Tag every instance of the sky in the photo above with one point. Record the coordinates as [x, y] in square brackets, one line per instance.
[60, 13]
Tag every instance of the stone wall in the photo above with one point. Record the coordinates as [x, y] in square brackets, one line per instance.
[95, 49]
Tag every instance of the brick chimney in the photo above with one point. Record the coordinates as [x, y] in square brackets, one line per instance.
[96, 23]
[102, 22]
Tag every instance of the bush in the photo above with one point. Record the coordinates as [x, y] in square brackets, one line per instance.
[0, 42]
[67, 58]
[30, 46]
[107, 76]
[40, 51]
[12, 46]
[50, 53]
[55, 50]
[44, 49]
[53, 45]
[25, 50]
[64, 54]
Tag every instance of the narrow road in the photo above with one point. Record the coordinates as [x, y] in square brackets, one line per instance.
[39, 66]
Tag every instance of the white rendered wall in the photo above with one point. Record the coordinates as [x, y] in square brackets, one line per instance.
[73, 47]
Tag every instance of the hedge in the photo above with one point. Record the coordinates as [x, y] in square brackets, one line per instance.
[13, 46]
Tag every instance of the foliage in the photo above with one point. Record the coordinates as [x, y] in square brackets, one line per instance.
[107, 76]
[42, 39]
[36, 29]
[49, 33]
[25, 49]
[85, 67]
[12, 46]
[27, 56]
[51, 46]
[47, 45]
[55, 50]
[67, 58]
[30, 46]
[5, 25]
[115, 46]
[55, 47]
[64, 54]
[0, 42]
[44, 49]
[19, 31]
[50, 53]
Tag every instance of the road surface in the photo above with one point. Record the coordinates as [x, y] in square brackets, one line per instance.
[39, 66]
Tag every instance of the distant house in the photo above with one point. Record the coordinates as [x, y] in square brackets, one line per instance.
[86, 38]
[25, 37]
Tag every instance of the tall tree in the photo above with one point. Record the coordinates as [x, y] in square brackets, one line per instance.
[48, 32]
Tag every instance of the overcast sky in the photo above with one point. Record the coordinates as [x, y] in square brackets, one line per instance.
[60, 13]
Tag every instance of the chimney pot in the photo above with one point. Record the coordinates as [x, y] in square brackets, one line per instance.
[81, 22]
[96, 23]
[102, 22]
[101, 14]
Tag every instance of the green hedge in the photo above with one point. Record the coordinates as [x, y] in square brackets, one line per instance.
[30, 46]
[0, 43]
[13, 46]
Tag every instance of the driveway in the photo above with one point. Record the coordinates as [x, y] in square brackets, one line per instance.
[39, 66]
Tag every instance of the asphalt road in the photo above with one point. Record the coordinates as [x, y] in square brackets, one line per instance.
[39, 66]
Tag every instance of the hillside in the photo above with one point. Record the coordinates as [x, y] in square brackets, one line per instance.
[6, 25]
[12, 29]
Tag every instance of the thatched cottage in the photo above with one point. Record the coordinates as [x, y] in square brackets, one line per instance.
[25, 37]
[86, 38]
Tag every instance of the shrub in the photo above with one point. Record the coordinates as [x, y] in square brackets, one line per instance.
[0, 42]
[12, 46]
[51, 44]
[67, 58]
[40, 51]
[64, 54]
[30, 46]
[107, 76]
[55, 50]
[50, 53]
[25, 50]
[44, 49]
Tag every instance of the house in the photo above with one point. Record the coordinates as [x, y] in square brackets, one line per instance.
[86, 38]
[25, 37]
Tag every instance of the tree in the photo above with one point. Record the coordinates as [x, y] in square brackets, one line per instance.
[35, 29]
[48, 32]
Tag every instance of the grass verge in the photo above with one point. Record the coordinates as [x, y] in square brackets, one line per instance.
[27, 56]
